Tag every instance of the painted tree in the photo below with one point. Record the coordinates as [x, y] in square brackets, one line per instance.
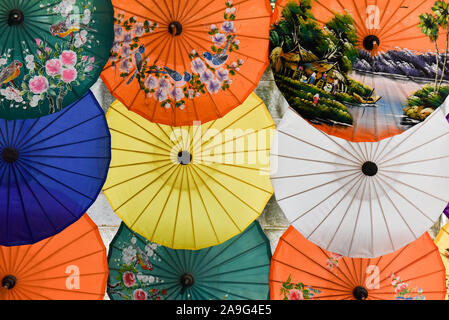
[429, 26]
[441, 10]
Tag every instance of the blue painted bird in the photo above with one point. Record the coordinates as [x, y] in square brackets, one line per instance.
[219, 59]
[138, 57]
[178, 79]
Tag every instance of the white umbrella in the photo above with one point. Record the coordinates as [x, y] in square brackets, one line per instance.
[361, 199]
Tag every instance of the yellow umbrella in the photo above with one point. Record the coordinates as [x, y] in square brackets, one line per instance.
[442, 242]
[190, 187]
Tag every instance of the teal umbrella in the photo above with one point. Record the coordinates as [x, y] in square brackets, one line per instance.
[51, 53]
[235, 270]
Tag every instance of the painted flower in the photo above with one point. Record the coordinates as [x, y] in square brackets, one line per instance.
[213, 27]
[165, 84]
[80, 39]
[182, 106]
[222, 74]
[29, 58]
[228, 27]
[118, 32]
[198, 66]
[69, 75]
[127, 38]
[125, 66]
[177, 94]
[234, 66]
[191, 93]
[229, 2]
[38, 84]
[213, 86]
[129, 279]
[236, 42]
[86, 16]
[207, 76]
[38, 42]
[219, 39]
[3, 61]
[53, 67]
[89, 68]
[230, 10]
[295, 294]
[35, 101]
[151, 82]
[126, 51]
[129, 255]
[139, 294]
[139, 29]
[11, 94]
[68, 58]
[161, 94]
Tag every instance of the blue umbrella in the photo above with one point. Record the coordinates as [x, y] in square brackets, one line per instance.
[51, 170]
[237, 269]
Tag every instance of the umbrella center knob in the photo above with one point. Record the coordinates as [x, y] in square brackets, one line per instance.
[184, 157]
[9, 282]
[187, 280]
[370, 169]
[360, 293]
[10, 155]
[175, 28]
[15, 17]
[368, 42]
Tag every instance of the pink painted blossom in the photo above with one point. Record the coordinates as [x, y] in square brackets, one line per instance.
[295, 294]
[129, 279]
[38, 84]
[89, 68]
[198, 66]
[84, 58]
[69, 75]
[53, 67]
[213, 86]
[68, 58]
[139, 294]
[38, 41]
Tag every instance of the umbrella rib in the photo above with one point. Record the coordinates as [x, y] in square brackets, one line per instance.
[318, 287]
[205, 293]
[142, 127]
[236, 178]
[167, 19]
[204, 206]
[161, 21]
[393, 204]
[177, 206]
[8, 203]
[221, 290]
[33, 293]
[187, 20]
[220, 250]
[139, 163]
[235, 256]
[412, 187]
[418, 277]
[260, 169]
[320, 186]
[417, 174]
[226, 188]
[315, 160]
[42, 245]
[358, 215]
[142, 152]
[391, 17]
[236, 19]
[191, 207]
[235, 271]
[317, 147]
[67, 290]
[414, 148]
[140, 140]
[64, 145]
[360, 178]
[414, 162]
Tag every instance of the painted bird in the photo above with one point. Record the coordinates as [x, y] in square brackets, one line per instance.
[219, 59]
[68, 27]
[143, 260]
[177, 78]
[10, 73]
[138, 57]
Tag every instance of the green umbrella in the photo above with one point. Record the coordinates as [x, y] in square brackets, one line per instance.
[51, 53]
[236, 269]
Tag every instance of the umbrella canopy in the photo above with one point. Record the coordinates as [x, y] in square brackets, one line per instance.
[52, 52]
[71, 265]
[175, 62]
[302, 271]
[390, 57]
[361, 199]
[235, 270]
[51, 170]
[190, 187]
[442, 242]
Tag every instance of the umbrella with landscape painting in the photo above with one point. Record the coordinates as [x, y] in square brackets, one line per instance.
[235, 270]
[51, 170]
[301, 270]
[52, 52]
[362, 71]
[190, 187]
[175, 62]
[71, 265]
[361, 199]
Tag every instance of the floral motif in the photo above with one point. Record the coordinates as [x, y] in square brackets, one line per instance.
[210, 72]
[134, 279]
[298, 291]
[333, 261]
[52, 70]
[402, 290]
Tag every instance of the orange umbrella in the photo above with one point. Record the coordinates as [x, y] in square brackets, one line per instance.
[175, 62]
[301, 270]
[70, 265]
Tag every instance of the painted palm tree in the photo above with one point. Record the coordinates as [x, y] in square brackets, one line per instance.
[429, 26]
[441, 10]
